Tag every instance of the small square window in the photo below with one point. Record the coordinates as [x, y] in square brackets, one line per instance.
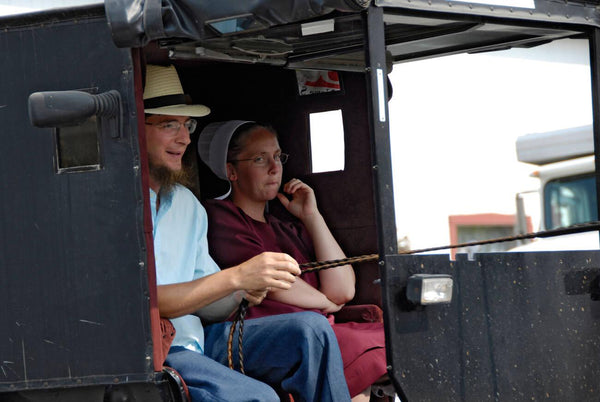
[327, 141]
[77, 147]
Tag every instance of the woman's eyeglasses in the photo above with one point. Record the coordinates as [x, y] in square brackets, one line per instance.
[263, 160]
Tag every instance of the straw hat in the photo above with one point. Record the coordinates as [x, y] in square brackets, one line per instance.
[213, 144]
[163, 94]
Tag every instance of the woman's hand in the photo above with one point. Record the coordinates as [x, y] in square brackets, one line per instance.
[303, 203]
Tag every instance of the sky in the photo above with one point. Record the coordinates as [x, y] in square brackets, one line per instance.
[454, 122]
[24, 6]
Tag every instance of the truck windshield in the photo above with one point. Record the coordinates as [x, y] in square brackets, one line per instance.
[570, 201]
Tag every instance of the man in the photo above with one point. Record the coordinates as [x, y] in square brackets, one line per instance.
[297, 353]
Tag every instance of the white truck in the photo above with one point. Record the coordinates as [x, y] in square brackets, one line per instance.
[567, 192]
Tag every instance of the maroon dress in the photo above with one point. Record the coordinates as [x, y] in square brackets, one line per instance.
[234, 237]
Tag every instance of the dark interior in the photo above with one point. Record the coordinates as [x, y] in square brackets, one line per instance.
[271, 96]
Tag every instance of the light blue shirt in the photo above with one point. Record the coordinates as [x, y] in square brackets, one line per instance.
[181, 253]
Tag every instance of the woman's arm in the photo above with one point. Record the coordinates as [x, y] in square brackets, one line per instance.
[301, 294]
[338, 284]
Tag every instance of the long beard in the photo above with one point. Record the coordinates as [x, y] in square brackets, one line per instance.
[167, 178]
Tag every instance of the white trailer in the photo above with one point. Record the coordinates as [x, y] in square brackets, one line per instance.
[567, 192]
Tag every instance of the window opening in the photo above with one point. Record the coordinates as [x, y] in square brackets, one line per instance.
[327, 141]
[78, 147]
[571, 201]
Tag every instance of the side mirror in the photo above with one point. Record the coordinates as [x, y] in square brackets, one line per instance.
[69, 108]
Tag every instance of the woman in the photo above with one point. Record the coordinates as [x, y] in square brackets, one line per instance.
[249, 157]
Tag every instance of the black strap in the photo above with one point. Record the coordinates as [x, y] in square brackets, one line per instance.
[167, 100]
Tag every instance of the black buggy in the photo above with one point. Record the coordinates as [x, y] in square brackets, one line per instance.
[79, 320]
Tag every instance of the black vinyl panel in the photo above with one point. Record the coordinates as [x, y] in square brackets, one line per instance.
[521, 326]
[73, 286]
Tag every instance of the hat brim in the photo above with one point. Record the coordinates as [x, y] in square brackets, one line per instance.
[181, 110]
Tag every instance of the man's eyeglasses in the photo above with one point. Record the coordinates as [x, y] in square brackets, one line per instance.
[263, 160]
[171, 128]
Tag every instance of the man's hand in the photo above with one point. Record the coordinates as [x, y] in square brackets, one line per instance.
[267, 270]
[255, 297]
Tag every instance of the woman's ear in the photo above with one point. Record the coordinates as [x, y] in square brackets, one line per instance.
[231, 175]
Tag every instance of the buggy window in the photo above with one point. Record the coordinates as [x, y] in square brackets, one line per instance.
[327, 141]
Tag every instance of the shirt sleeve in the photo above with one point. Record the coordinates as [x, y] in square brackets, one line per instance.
[205, 264]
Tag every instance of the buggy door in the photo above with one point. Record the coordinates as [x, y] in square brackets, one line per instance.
[74, 295]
